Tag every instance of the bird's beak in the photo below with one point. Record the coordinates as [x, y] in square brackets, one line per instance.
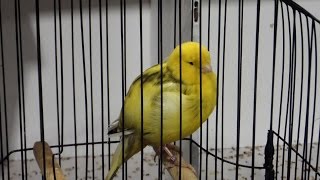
[206, 69]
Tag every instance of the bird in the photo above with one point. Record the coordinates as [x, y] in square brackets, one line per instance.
[187, 70]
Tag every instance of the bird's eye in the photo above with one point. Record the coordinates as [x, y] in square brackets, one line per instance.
[190, 63]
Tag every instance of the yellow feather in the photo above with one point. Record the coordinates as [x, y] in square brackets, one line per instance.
[191, 67]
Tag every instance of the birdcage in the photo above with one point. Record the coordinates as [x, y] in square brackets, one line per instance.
[67, 66]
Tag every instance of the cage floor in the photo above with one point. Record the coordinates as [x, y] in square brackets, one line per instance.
[151, 167]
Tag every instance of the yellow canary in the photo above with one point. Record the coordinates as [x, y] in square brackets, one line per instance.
[130, 124]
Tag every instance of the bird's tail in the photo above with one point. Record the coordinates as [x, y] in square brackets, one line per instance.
[132, 146]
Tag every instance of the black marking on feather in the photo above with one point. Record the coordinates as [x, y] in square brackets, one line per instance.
[155, 77]
[147, 76]
[115, 130]
[146, 133]
[167, 78]
[195, 110]
[151, 77]
[136, 80]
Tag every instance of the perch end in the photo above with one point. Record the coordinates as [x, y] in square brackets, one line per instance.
[52, 168]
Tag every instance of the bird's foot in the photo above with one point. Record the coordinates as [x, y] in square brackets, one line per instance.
[173, 147]
[172, 152]
[167, 148]
[172, 156]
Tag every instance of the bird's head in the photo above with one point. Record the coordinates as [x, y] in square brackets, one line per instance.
[191, 62]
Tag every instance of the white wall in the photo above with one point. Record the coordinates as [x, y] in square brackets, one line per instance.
[133, 67]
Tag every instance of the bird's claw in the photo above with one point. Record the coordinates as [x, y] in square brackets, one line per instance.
[173, 147]
[166, 148]
[172, 159]
[155, 157]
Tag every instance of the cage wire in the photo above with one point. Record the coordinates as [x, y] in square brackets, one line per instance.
[66, 67]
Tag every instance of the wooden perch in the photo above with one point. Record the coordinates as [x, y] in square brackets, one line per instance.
[187, 171]
[37, 151]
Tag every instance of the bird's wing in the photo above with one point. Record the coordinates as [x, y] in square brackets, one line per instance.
[152, 82]
[120, 134]
[113, 126]
[113, 130]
